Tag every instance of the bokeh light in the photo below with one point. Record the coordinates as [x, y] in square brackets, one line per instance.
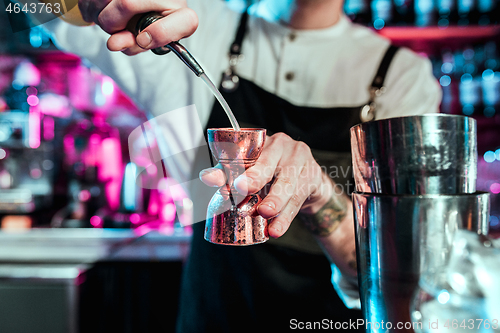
[489, 156]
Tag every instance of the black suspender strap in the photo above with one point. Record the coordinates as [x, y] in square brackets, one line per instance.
[230, 80]
[378, 81]
[377, 87]
[240, 34]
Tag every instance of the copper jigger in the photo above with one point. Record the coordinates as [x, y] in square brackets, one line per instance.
[232, 218]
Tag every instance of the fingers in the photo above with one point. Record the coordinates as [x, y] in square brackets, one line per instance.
[256, 177]
[297, 178]
[123, 40]
[285, 184]
[213, 177]
[180, 24]
[113, 16]
[116, 14]
[288, 199]
[174, 27]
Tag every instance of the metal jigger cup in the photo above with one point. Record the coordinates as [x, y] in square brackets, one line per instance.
[232, 218]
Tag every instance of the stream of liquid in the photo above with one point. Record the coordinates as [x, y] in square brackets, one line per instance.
[222, 101]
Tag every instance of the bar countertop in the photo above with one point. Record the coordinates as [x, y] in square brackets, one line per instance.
[86, 246]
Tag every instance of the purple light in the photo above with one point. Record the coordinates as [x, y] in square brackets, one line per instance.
[31, 91]
[495, 188]
[494, 222]
[33, 100]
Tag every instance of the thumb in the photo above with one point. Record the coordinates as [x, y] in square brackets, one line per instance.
[213, 177]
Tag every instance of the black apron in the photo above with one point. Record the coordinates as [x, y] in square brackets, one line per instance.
[275, 285]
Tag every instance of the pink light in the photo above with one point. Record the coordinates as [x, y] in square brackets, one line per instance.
[32, 100]
[36, 173]
[151, 169]
[142, 230]
[84, 195]
[154, 203]
[27, 74]
[111, 170]
[54, 105]
[48, 128]
[107, 86]
[94, 157]
[495, 188]
[168, 212]
[96, 221]
[135, 218]
[34, 129]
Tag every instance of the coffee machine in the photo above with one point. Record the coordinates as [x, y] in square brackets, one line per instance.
[26, 162]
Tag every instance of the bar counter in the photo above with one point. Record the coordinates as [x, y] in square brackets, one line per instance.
[90, 280]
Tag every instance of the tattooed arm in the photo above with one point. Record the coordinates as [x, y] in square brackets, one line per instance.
[333, 227]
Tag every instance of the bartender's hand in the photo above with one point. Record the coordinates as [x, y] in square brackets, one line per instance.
[113, 16]
[299, 183]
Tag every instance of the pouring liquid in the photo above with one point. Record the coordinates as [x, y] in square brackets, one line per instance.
[222, 101]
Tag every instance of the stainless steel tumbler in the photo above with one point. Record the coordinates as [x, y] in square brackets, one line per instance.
[425, 154]
[400, 236]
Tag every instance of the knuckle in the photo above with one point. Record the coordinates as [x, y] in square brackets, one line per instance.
[295, 200]
[191, 19]
[281, 137]
[302, 148]
[127, 6]
[285, 180]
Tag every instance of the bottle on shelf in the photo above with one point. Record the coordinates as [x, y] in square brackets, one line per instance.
[425, 13]
[447, 12]
[381, 13]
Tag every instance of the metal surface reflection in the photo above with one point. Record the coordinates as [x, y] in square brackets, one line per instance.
[398, 237]
[426, 154]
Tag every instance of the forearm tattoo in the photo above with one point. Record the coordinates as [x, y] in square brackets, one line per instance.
[328, 218]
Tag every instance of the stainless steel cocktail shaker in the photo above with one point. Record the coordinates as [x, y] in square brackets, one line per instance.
[415, 181]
